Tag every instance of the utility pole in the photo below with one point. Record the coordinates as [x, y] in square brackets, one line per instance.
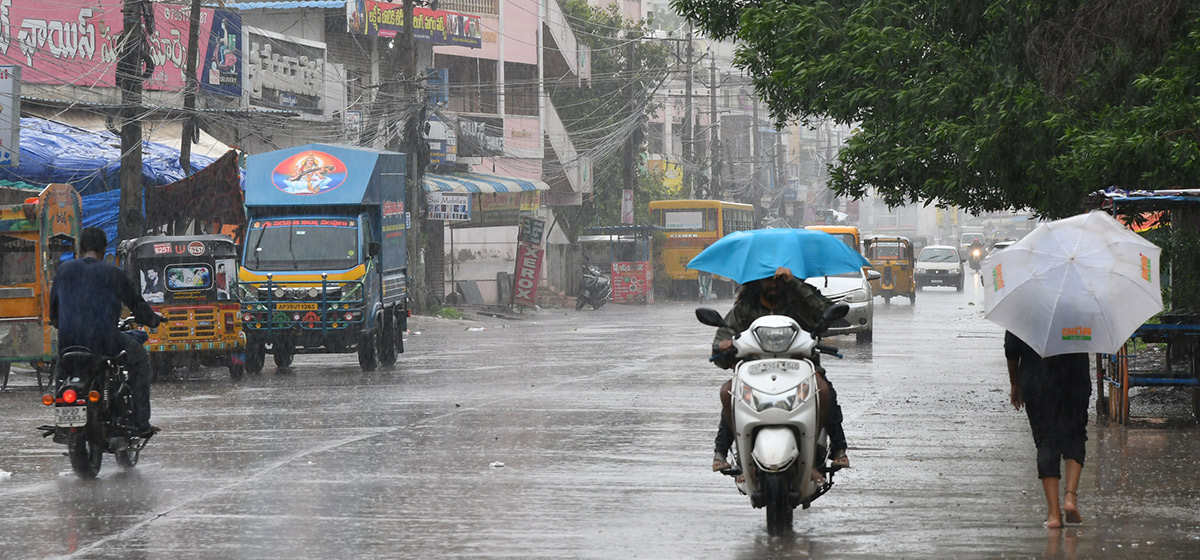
[415, 149]
[190, 87]
[714, 128]
[630, 174]
[755, 148]
[687, 121]
[131, 223]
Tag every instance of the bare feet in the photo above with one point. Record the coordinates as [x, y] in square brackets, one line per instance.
[719, 463]
[1053, 523]
[817, 477]
[841, 461]
[1070, 508]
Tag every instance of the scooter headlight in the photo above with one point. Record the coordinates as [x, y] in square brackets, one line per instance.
[775, 339]
[761, 401]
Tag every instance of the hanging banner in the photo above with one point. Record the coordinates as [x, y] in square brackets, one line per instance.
[385, 19]
[74, 42]
[627, 206]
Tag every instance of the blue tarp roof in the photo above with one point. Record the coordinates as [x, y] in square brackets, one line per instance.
[53, 152]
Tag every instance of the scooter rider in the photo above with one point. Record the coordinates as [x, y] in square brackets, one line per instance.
[781, 294]
[85, 306]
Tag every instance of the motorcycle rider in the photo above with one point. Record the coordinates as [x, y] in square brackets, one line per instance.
[781, 294]
[85, 306]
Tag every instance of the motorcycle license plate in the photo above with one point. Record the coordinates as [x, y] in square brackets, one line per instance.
[70, 416]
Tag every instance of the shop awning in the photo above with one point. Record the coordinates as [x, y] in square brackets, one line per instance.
[480, 183]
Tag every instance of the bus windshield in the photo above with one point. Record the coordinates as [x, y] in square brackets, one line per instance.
[286, 245]
[684, 219]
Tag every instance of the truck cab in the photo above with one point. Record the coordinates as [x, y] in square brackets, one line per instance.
[324, 265]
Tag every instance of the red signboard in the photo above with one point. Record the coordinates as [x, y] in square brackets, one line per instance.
[529, 268]
[633, 282]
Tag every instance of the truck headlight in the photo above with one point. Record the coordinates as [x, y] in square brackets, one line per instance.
[857, 296]
[775, 339]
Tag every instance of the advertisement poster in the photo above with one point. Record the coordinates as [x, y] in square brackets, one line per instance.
[627, 206]
[633, 282]
[386, 19]
[74, 42]
[501, 209]
[449, 207]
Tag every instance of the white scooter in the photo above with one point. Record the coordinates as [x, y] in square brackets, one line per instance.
[779, 436]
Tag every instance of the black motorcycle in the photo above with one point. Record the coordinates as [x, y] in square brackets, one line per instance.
[594, 288]
[93, 410]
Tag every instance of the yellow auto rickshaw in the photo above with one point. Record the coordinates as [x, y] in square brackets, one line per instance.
[189, 280]
[33, 237]
[894, 259]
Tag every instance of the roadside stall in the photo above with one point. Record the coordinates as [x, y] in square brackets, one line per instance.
[34, 235]
[1172, 216]
[626, 251]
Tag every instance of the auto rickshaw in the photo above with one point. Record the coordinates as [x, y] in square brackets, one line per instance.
[189, 280]
[33, 237]
[894, 258]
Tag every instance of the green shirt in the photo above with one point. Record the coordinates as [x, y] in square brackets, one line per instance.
[798, 300]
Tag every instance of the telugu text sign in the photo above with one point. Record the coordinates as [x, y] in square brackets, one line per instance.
[74, 42]
[386, 19]
[632, 282]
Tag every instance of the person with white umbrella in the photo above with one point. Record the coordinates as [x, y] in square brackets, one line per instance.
[1073, 286]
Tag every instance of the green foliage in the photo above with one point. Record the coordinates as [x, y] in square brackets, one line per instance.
[446, 312]
[986, 104]
[594, 114]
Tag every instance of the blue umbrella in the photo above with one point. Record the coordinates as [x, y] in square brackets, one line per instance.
[745, 256]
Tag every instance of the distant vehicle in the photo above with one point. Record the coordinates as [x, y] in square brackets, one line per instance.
[940, 265]
[690, 226]
[848, 234]
[853, 289]
[1001, 244]
[893, 258]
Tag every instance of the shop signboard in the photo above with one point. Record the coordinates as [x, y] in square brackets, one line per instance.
[449, 207]
[633, 282]
[386, 19]
[75, 42]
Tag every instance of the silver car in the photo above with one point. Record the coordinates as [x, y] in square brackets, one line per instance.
[854, 289]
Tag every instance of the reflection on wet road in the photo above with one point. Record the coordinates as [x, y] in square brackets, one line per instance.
[588, 435]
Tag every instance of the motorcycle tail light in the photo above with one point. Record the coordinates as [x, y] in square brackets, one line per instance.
[47, 400]
[70, 396]
[94, 396]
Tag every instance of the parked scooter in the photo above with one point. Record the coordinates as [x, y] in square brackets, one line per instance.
[594, 288]
[93, 409]
[775, 403]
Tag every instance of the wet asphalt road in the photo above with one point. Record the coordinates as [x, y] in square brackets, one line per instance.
[603, 422]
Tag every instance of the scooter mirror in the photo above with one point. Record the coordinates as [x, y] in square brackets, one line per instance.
[834, 312]
[709, 317]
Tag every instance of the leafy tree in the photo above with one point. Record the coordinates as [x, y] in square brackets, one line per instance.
[601, 115]
[985, 104]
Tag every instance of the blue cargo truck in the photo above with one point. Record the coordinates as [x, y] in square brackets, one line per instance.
[324, 264]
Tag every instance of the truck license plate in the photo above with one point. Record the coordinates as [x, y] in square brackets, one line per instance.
[295, 306]
[70, 416]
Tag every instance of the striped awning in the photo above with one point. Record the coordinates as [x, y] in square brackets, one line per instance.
[480, 183]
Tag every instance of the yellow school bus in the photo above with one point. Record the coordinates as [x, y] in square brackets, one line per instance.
[690, 226]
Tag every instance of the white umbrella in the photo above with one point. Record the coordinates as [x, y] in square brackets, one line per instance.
[1083, 284]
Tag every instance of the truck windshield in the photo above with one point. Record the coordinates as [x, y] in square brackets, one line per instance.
[285, 245]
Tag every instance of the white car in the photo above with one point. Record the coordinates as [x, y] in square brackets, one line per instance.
[939, 265]
[853, 289]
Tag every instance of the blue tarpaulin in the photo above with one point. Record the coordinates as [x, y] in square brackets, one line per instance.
[53, 152]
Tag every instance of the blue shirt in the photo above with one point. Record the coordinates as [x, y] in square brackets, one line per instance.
[85, 305]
